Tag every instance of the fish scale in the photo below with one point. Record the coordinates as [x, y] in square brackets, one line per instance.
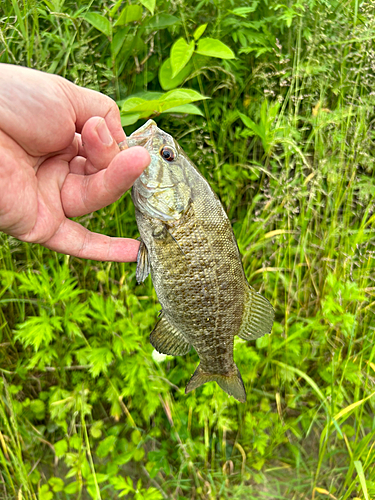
[188, 245]
[200, 290]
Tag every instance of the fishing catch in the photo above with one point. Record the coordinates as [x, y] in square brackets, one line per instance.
[188, 245]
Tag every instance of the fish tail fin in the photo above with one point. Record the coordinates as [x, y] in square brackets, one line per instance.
[231, 384]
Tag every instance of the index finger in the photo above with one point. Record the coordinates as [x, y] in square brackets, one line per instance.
[88, 103]
[73, 239]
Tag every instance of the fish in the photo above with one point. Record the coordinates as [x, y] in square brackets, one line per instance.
[188, 245]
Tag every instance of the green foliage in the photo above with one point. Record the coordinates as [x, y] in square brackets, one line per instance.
[167, 81]
[181, 53]
[214, 48]
[99, 22]
[148, 103]
[266, 130]
[284, 134]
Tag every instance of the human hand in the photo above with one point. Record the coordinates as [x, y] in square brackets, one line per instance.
[59, 158]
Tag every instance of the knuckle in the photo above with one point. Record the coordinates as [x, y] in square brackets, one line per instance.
[85, 244]
[85, 192]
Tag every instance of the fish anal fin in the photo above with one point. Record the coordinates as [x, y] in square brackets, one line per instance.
[143, 264]
[232, 384]
[258, 316]
[167, 340]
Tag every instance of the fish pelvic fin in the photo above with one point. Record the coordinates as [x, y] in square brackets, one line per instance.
[232, 384]
[167, 340]
[258, 316]
[143, 264]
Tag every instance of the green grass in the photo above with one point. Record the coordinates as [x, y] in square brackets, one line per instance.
[85, 410]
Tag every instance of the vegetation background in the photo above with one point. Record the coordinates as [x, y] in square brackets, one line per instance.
[286, 138]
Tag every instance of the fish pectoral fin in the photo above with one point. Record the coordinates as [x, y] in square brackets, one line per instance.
[167, 340]
[162, 235]
[143, 264]
[232, 384]
[258, 316]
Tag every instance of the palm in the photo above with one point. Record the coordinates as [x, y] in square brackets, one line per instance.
[47, 175]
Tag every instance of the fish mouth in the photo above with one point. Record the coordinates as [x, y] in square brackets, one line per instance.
[147, 188]
[143, 134]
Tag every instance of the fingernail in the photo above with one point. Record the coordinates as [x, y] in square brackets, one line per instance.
[103, 133]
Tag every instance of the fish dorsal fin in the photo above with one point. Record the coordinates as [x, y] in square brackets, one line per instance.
[167, 340]
[232, 384]
[258, 316]
[143, 264]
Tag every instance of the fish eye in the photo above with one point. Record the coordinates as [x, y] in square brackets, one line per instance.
[168, 153]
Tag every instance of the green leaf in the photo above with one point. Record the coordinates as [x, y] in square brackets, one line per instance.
[115, 8]
[186, 95]
[72, 488]
[129, 14]
[149, 95]
[149, 4]
[129, 119]
[190, 94]
[120, 483]
[38, 408]
[244, 11]
[75, 442]
[45, 493]
[362, 480]
[132, 103]
[181, 53]
[145, 108]
[35, 476]
[152, 494]
[199, 31]
[56, 483]
[138, 454]
[70, 458]
[106, 446]
[38, 330]
[161, 21]
[20, 19]
[6, 278]
[185, 109]
[308, 379]
[214, 48]
[99, 22]
[100, 478]
[248, 122]
[91, 490]
[95, 429]
[165, 75]
[100, 358]
[61, 448]
[263, 342]
[259, 50]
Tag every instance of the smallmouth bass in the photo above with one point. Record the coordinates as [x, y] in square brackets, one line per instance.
[188, 245]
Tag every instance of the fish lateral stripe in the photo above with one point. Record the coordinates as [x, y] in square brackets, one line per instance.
[232, 384]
